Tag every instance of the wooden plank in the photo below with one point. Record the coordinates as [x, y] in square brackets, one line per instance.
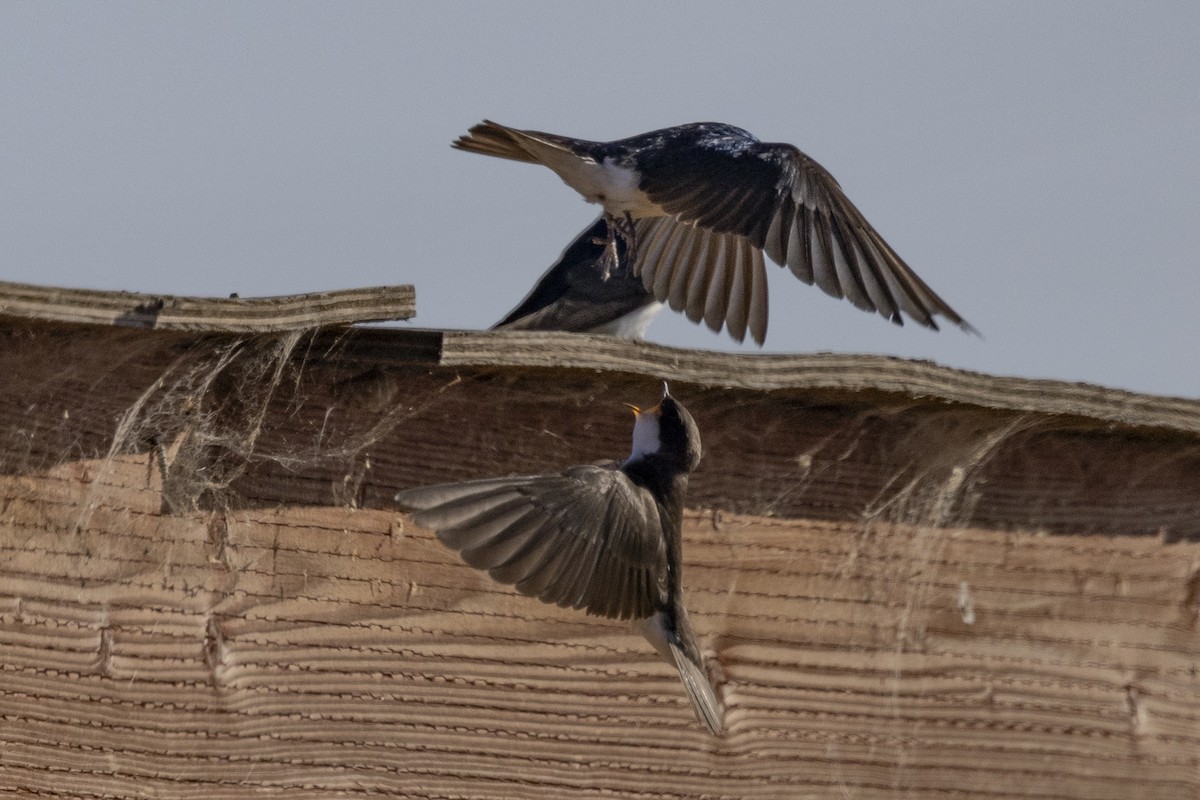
[205, 591]
[833, 371]
[321, 650]
[222, 314]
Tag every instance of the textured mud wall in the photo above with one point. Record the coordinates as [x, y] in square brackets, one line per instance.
[204, 591]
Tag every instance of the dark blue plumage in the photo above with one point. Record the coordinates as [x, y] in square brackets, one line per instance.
[645, 148]
[576, 295]
[698, 205]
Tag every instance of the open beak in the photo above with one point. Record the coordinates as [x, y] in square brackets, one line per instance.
[637, 411]
[653, 411]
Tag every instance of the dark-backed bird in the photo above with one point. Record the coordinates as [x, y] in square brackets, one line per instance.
[698, 205]
[604, 539]
[579, 294]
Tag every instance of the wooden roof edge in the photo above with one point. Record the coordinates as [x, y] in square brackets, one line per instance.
[203, 314]
[537, 349]
[828, 371]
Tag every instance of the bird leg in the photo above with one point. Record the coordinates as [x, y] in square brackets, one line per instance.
[623, 227]
[629, 234]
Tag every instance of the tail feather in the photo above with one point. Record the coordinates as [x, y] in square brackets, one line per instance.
[493, 139]
[695, 682]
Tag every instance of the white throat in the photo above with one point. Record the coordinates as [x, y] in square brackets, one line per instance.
[645, 437]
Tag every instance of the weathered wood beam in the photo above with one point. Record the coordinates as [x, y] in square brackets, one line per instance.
[915, 582]
[213, 314]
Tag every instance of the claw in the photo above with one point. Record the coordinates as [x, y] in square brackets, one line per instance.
[623, 227]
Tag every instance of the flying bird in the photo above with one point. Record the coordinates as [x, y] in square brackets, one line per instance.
[606, 539]
[698, 205]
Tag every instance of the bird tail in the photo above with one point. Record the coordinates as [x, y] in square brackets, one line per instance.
[673, 639]
[699, 690]
[493, 139]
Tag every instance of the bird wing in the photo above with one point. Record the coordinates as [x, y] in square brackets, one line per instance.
[715, 277]
[574, 295]
[584, 538]
[788, 205]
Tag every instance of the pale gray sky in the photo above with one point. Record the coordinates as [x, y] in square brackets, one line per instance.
[1037, 163]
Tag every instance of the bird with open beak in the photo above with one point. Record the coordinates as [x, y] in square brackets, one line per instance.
[604, 539]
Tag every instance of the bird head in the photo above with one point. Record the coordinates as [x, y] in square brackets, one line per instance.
[667, 431]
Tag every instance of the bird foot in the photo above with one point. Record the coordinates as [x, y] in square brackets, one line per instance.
[610, 259]
[623, 227]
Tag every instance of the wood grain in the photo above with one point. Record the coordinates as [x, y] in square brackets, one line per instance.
[224, 314]
[205, 592]
[831, 371]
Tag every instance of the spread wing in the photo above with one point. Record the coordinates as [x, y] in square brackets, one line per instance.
[714, 277]
[786, 204]
[584, 538]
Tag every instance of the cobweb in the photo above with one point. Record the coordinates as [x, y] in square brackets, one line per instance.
[201, 424]
[218, 423]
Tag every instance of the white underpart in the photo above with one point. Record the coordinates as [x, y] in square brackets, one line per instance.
[645, 436]
[633, 325]
[613, 186]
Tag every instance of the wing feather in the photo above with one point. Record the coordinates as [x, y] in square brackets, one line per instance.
[789, 206]
[580, 538]
[737, 305]
[759, 307]
[717, 291]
